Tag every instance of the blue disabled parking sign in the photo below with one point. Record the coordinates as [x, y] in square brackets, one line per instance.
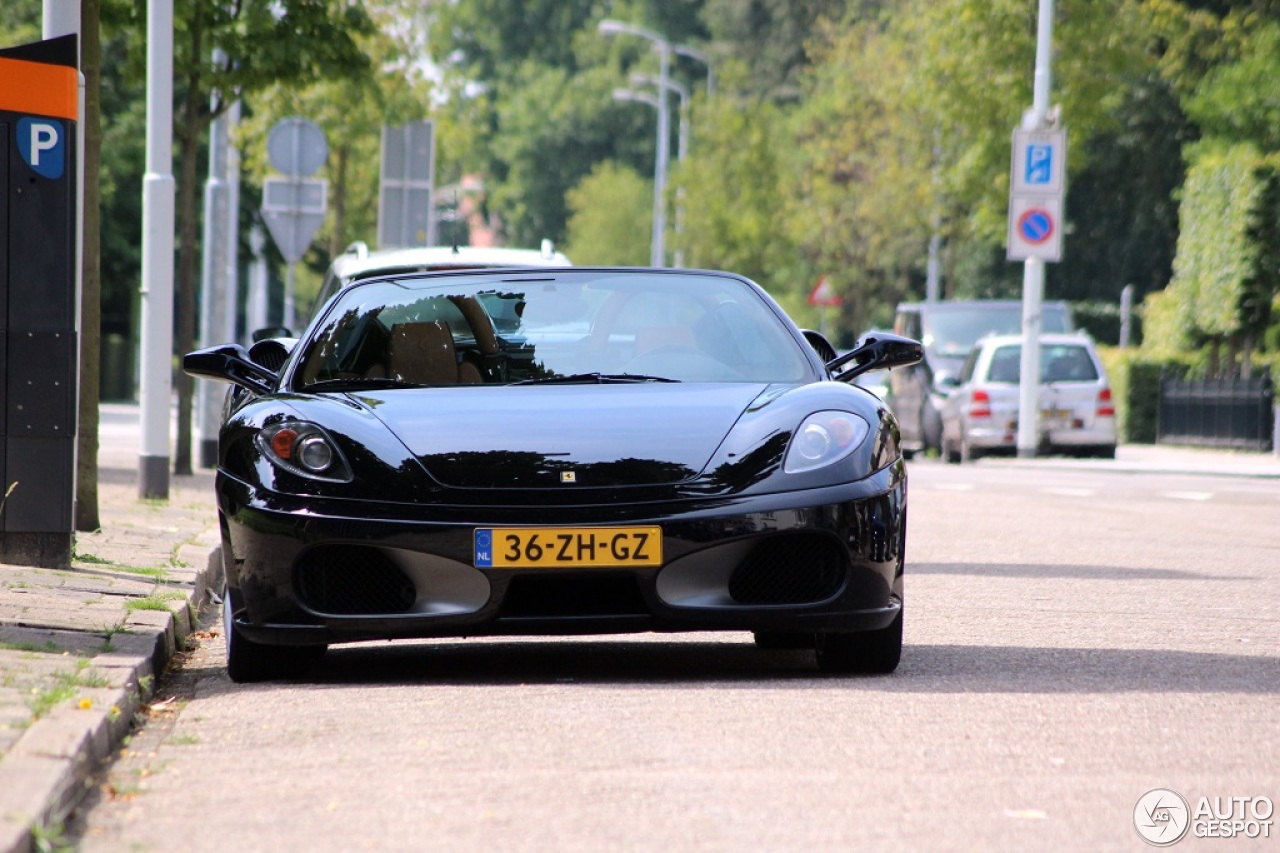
[1039, 158]
[1039, 165]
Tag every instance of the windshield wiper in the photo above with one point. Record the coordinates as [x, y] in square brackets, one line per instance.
[598, 378]
[363, 384]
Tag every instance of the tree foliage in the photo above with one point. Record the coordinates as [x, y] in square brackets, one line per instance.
[605, 209]
[1227, 271]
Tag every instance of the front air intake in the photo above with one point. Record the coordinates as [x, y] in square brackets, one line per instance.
[799, 569]
[349, 580]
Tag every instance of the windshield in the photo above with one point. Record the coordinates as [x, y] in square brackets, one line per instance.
[951, 331]
[553, 327]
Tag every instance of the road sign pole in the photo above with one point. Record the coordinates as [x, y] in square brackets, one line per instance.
[158, 197]
[1033, 269]
[289, 312]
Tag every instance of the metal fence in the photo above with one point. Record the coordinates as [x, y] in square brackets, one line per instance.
[1232, 413]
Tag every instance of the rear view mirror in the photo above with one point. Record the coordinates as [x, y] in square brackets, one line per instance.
[229, 363]
[876, 351]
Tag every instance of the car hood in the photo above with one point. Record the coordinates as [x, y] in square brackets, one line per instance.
[553, 435]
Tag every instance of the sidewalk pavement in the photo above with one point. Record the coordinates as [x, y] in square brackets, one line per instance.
[80, 650]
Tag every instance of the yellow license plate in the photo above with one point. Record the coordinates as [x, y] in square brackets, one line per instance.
[567, 547]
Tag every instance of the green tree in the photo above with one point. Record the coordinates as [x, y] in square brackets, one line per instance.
[734, 189]
[611, 217]
[1225, 273]
[351, 111]
[299, 41]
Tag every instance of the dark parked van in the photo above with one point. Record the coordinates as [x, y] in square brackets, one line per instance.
[948, 330]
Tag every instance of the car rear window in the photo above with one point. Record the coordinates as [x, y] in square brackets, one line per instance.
[1058, 363]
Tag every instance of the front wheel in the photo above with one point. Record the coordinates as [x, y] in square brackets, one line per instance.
[968, 453]
[866, 652]
[930, 426]
[249, 661]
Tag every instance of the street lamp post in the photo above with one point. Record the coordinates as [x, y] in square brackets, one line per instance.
[697, 56]
[659, 187]
[682, 145]
[657, 247]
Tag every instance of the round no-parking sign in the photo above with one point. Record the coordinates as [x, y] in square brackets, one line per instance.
[1035, 228]
[1036, 225]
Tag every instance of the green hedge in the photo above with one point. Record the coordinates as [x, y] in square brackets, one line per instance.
[1135, 387]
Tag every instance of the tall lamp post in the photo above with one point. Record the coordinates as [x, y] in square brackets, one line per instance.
[657, 243]
[657, 247]
[697, 56]
[682, 144]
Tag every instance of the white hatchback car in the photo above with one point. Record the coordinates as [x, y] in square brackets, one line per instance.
[1077, 414]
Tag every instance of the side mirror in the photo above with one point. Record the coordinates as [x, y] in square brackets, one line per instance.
[229, 363]
[878, 351]
[945, 381]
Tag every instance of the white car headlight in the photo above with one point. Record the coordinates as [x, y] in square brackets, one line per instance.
[824, 438]
[304, 449]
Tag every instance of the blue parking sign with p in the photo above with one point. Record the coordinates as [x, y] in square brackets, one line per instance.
[41, 144]
[1039, 164]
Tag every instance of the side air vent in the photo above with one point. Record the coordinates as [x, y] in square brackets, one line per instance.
[350, 580]
[799, 569]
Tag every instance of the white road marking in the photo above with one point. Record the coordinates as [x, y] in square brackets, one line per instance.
[1069, 492]
[1188, 496]
[953, 487]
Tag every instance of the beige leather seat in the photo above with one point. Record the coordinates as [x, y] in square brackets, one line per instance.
[424, 353]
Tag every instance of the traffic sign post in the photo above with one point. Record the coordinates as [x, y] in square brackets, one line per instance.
[1036, 186]
[1037, 183]
[1035, 228]
[406, 187]
[294, 207]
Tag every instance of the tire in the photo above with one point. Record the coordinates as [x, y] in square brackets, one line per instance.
[866, 652]
[248, 661]
[778, 640]
[930, 427]
[968, 453]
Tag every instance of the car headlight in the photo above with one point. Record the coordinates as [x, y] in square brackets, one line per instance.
[824, 438]
[304, 449]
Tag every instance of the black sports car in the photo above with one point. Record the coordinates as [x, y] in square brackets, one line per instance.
[558, 451]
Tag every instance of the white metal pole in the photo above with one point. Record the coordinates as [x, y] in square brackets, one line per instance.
[682, 151]
[213, 283]
[232, 233]
[1033, 268]
[288, 298]
[657, 247]
[157, 257]
[256, 307]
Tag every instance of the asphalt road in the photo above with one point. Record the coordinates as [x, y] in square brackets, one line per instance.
[1074, 639]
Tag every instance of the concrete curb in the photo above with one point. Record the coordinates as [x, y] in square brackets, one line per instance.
[56, 757]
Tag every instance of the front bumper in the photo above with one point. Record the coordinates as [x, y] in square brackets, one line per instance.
[310, 571]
